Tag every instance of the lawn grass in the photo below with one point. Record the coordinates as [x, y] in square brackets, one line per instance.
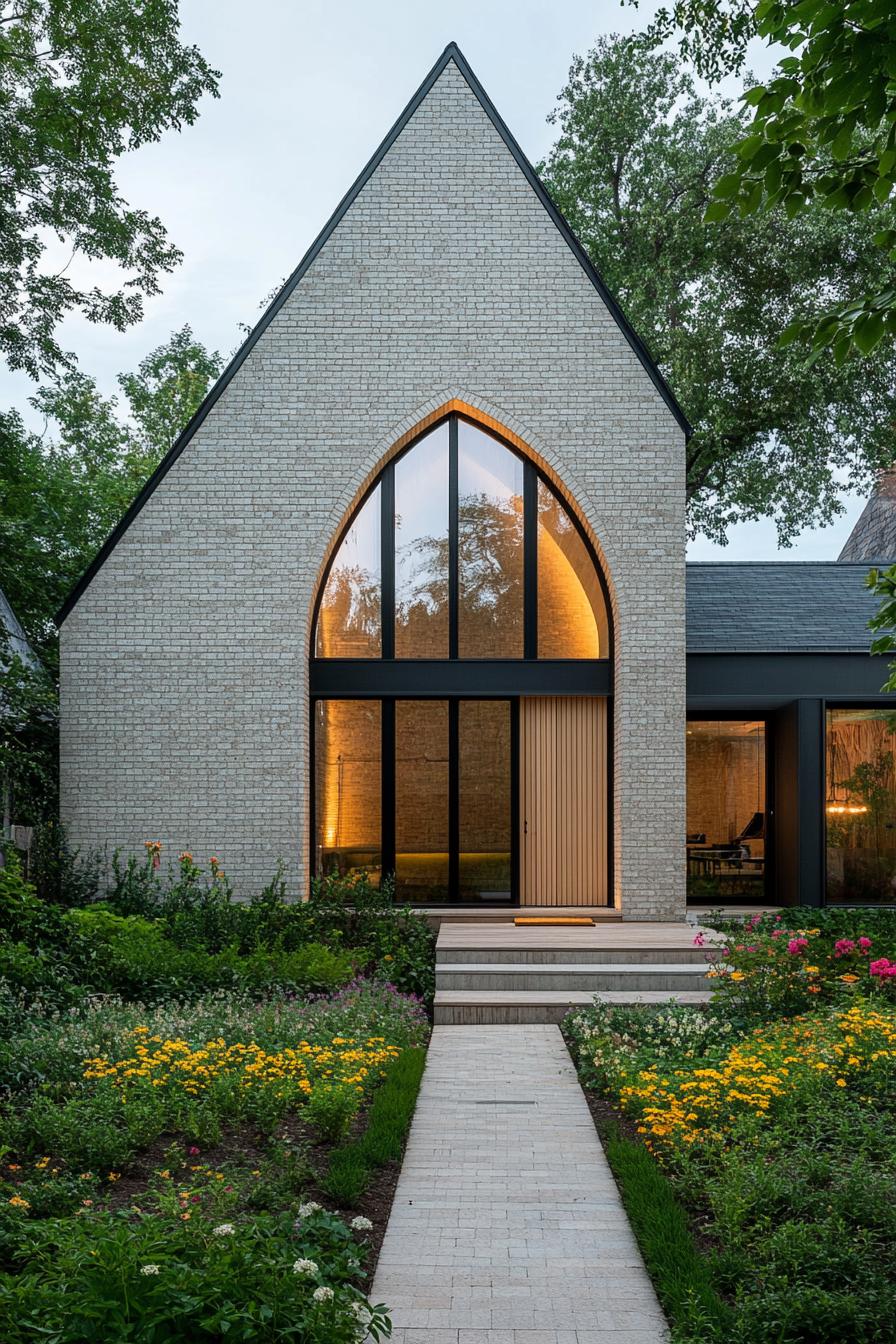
[682, 1275]
[388, 1120]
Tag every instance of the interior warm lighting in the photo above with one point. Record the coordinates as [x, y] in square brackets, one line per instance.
[850, 809]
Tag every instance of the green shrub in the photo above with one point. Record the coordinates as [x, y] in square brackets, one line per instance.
[330, 1110]
[111, 1276]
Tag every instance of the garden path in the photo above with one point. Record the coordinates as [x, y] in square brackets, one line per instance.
[507, 1226]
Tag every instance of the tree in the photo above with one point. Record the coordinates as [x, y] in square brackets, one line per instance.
[823, 131]
[62, 493]
[82, 83]
[634, 169]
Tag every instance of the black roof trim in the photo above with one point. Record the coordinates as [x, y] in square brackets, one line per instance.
[451, 53]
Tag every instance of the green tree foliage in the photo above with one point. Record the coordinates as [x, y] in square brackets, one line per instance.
[823, 132]
[62, 492]
[636, 164]
[82, 82]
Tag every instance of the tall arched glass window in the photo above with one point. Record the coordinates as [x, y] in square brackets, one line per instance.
[462, 550]
[460, 682]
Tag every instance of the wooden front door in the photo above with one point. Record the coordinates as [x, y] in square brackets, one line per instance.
[563, 800]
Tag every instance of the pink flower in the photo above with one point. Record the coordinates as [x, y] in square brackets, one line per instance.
[883, 969]
[698, 940]
[752, 949]
[797, 946]
[776, 933]
[843, 947]
[193, 1151]
[864, 943]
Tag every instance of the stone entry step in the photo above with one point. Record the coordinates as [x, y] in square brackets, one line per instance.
[579, 956]
[503, 974]
[572, 976]
[465, 1007]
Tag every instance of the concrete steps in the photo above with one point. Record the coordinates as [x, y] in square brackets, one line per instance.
[577, 976]
[506, 975]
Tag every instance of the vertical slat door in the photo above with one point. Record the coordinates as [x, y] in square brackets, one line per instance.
[563, 800]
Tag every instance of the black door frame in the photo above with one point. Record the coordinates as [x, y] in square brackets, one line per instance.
[766, 718]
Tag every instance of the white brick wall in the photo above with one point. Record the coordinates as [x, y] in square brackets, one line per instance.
[184, 685]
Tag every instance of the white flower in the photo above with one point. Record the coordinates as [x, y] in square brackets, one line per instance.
[149, 1269]
[323, 1294]
[361, 1312]
[306, 1210]
[224, 1230]
[304, 1267]
[361, 1224]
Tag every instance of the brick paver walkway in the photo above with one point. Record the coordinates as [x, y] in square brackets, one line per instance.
[507, 1227]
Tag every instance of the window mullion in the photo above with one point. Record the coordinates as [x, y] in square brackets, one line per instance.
[452, 539]
[387, 561]
[530, 561]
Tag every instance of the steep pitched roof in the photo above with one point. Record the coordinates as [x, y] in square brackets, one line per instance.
[873, 539]
[778, 607]
[14, 635]
[451, 53]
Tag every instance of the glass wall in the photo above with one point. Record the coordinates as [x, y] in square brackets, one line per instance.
[349, 623]
[490, 547]
[484, 769]
[421, 548]
[465, 561]
[726, 810]
[860, 806]
[572, 616]
[347, 787]
[421, 800]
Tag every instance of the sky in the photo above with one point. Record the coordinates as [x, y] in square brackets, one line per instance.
[308, 90]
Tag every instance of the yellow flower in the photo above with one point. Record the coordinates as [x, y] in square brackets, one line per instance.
[18, 1203]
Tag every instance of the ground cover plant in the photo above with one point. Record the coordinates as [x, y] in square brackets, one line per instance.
[175, 1088]
[752, 1140]
[153, 932]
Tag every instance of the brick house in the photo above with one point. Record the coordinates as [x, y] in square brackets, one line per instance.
[409, 593]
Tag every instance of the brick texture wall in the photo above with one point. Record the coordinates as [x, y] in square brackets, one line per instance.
[184, 689]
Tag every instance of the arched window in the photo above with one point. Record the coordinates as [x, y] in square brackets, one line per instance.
[462, 550]
[459, 682]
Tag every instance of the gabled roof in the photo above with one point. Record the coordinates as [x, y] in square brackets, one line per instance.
[873, 539]
[451, 53]
[791, 606]
[14, 636]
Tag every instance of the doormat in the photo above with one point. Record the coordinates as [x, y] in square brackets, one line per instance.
[555, 919]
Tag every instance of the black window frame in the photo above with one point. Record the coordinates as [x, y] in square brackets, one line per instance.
[388, 678]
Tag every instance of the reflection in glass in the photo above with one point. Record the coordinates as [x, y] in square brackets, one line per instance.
[860, 806]
[490, 547]
[421, 548]
[349, 623]
[572, 615]
[347, 783]
[421, 800]
[485, 816]
[726, 815]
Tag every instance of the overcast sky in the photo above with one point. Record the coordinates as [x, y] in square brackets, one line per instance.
[308, 90]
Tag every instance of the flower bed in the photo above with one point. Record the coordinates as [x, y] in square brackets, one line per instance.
[165, 1166]
[767, 968]
[777, 1140]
